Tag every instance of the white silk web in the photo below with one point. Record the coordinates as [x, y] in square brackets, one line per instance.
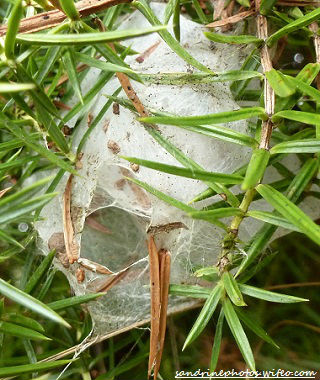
[111, 215]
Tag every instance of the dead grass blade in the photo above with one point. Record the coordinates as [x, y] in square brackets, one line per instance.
[111, 282]
[69, 238]
[2, 192]
[232, 19]
[94, 267]
[165, 264]
[155, 302]
[91, 222]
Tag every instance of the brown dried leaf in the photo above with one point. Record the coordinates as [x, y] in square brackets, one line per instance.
[155, 302]
[231, 20]
[2, 192]
[94, 267]
[165, 263]
[68, 231]
[93, 223]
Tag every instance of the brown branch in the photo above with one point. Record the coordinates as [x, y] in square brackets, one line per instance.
[50, 19]
[269, 95]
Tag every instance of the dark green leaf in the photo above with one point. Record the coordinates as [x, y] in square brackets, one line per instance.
[186, 172]
[73, 301]
[180, 79]
[25, 207]
[12, 28]
[205, 315]
[232, 39]
[297, 146]
[294, 25]
[266, 295]
[164, 197]
[238, 333]
[223, 133]
[199, 11]
[272, 218]
[290, 211]
[39, 272]
[193, 291]
[211, 215]
[16, 198]
[252, 62]
[266, 6]
[27, 368]
[245, 3]
[214, 118]
[70, 9]
[302, 179]
[302, 117]
[255, 327]
[70, 66]
[176, 19]
[29, 302]
[85, 38]
[55, 159]
[6, 237]
[256, 168]
[303, 87]
[189, 163]
[102, 65]
[20, 331]
[28, 322]
[49, 60]
[208, 273]
[232, 289]
[280, 84]
[217, 342]
[295, 189]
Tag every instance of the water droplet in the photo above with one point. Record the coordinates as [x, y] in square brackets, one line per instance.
[23, 227]
[298, 58]
[300, 103]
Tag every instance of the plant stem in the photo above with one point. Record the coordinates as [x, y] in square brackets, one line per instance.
[229, 241]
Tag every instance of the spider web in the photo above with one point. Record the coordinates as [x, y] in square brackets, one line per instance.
[111, 215]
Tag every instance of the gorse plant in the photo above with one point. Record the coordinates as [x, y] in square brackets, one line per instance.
[47, 48]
